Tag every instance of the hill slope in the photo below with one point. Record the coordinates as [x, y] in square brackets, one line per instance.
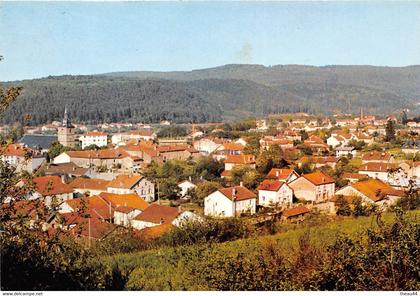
[222, 93]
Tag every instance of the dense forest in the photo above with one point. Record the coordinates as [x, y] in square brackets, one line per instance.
[222, 93]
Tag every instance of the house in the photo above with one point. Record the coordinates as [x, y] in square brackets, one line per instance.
[187, 185]
[22, 158]
[108, 158]
[180, 152]
[338, 138]
[282, 142]
[126, 206]
[296, 214]
[88, 207]
[90, 187]
[244, 159]
[99, 139]
[376, 156]
[359, 136]
[156, 215]
[378, 170]
[372, 191]
[353, 177]
[274, 192]
[144, 134]
[315, 187]
[228, 149]
[241, 141]
[319, 161]
[154, 231]
[125, 184]
[283, 175]
[345, 151]
[51, 188]
[230, 202]
[207, 146]
[65, 170]
[316, 144]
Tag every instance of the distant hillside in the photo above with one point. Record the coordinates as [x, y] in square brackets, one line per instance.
[222, 93]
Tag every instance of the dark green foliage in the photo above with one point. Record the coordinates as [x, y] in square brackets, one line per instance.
[228, 92]
[172, 131]
[389, 131]
[343, 207]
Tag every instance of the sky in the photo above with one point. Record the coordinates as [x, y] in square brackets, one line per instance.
[38, 39]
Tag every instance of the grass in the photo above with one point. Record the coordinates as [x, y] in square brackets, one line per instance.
[160, 269]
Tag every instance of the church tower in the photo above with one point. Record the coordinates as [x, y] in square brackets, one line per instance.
[66, 132]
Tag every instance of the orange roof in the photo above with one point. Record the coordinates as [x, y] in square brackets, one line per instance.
[347, 175]
[376, 189]
[51, 185]
[318, 178]
[125, 181]
[174, 148]
[270, 185]
[233, 146]
[93, 184]
[237, 192]
[99, 154]
[155, 231]
[377, 156]
[94, 205]
[378, 166]
[158, 214]
[127, 200]
[240, 159]
[144, 133]
[95, 134]
[281, 174]
[299, 210]
[15, 150]
[226, 173]
[319, 159]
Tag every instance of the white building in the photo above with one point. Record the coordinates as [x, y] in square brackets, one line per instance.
[99, 139]
[274, 192]
[230, 202]
[315, 187]
[345, 151]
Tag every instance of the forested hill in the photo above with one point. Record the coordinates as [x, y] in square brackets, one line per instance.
[222, 93]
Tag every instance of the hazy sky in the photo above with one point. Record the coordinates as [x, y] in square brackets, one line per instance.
[38, 39]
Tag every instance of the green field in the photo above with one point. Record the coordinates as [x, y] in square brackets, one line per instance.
[175, 268]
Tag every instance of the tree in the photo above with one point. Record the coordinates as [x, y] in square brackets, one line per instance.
[343, 207]
[404, 118]
[202, 190]
[390, 131]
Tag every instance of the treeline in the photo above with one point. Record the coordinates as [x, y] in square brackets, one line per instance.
[95, 99]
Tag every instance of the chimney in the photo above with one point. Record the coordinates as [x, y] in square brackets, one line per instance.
[189, 178]
[162, 221]
[179, 209]
[234, 192]
[277, 173]
[241, 184]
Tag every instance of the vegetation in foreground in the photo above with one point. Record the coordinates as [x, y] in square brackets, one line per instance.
[369, 253]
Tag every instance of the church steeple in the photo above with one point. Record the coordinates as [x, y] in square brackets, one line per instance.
[66, 119]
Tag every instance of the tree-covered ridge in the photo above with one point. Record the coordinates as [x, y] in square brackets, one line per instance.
[223, 93]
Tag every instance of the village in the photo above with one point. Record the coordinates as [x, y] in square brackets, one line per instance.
[96, 179]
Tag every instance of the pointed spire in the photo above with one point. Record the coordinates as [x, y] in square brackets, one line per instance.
[66, 119]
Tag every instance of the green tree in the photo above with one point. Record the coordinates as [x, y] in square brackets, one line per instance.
[389, 131]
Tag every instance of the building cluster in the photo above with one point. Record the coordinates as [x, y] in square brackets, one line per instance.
[100, 187]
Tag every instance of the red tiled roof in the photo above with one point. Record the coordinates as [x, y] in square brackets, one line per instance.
[51, 185]
[144, 133]
[125, 181]
[93, 184]
[97, 229]
[318, 178]
[319, 159]
[299, 210]
[156, 214]
[233, 146]
[377, 156]
[155, 231]
[378, 167]
[129, 200]
[270, 185]
[94, 205]
[376, 189]
[347, 175]
[281, 174]
[99, 154]
[240, 159]
[95, 134]
[15, 150]
[237, 192]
